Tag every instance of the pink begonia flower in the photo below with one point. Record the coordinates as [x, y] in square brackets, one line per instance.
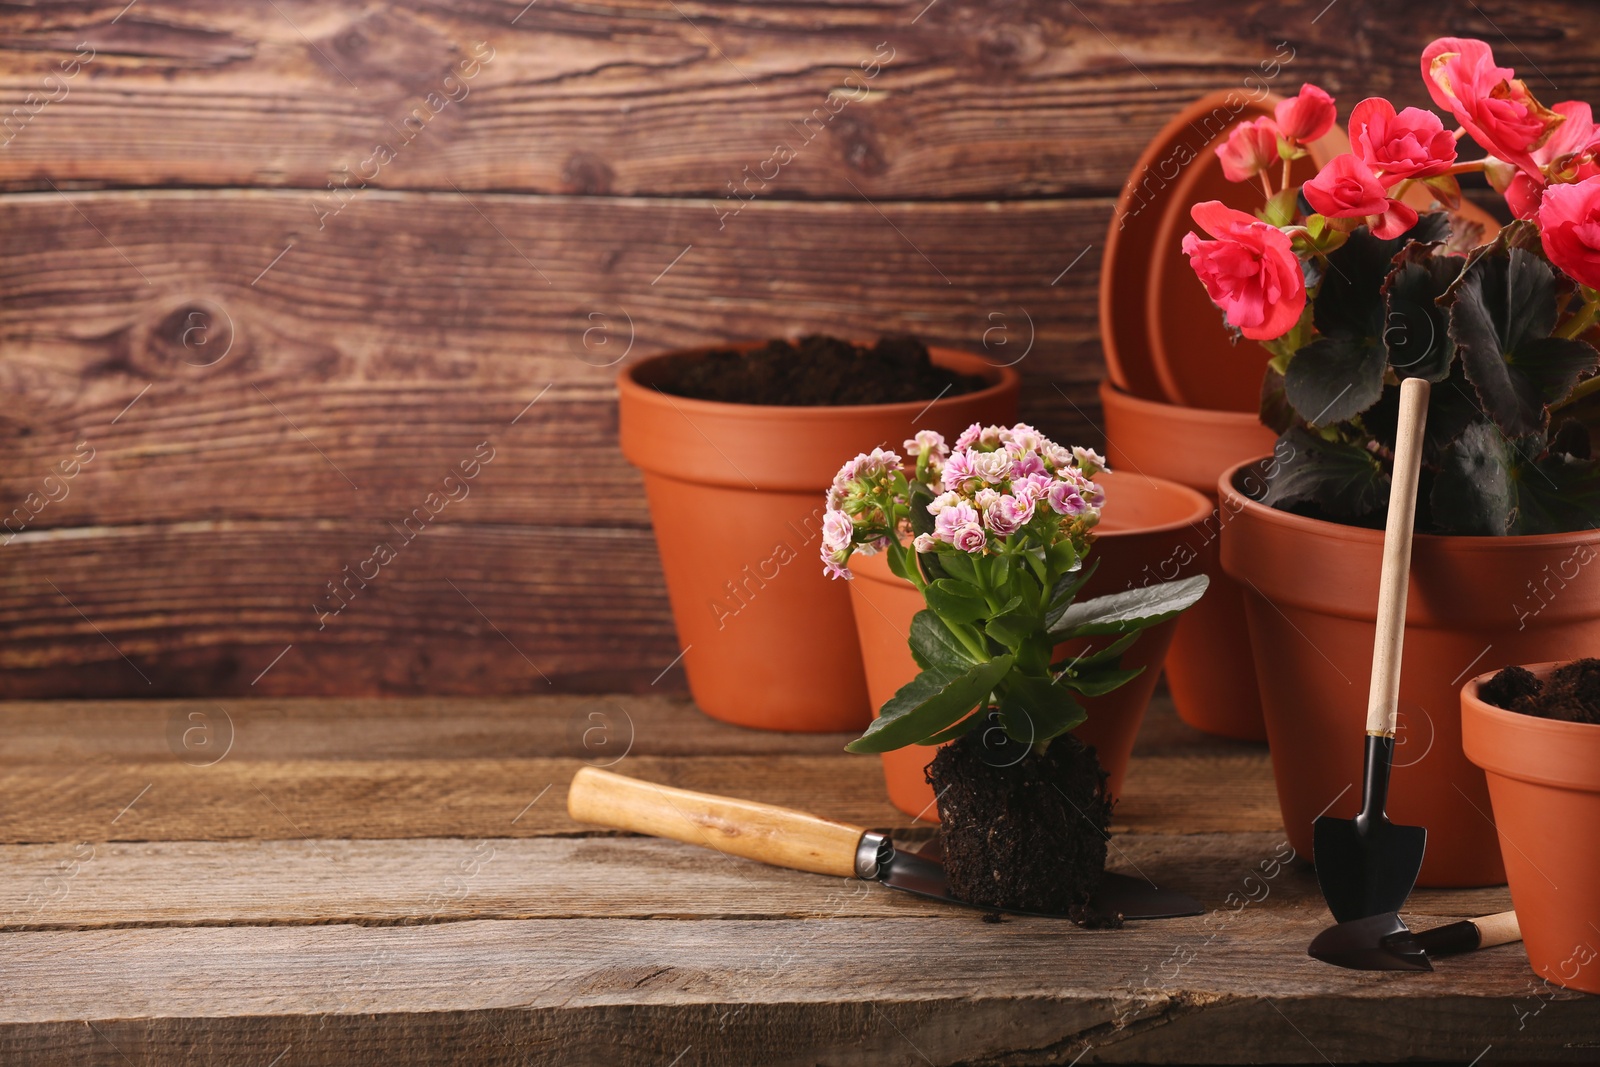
[1056, 457]
[1089, 461]
[950, 520]
[992, 467]
[984, 497]
[1030, 463]
[969, 538]
[941, 502]
[1568, 156]
[1251, 148]
[926, 441]
[969, 436]
[1249, 270]
[1346, 189]
[1488, 100]
[925, 543]
[1307, 116]
[1094, 494]
[1410, 144]
[837, 530]
[1065, 500]
[957, 469]
[833, 570]
[1569, 228]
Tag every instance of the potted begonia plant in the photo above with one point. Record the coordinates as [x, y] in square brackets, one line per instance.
[995, 533]
[1352, 289]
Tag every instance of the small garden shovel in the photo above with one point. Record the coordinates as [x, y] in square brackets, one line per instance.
[783, 837]
[1367, 865]
[1385, 943]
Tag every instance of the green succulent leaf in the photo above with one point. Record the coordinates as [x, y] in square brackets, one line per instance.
[1070, 585]
[932, 701]
[1034, 709]
[957, 602]
[1099, 679]
[919, 498]
[1130, 610]
[1110, 654]
[901, 562]
[958, 565]
[934, 644]
[1502, 312]
[1014, 625]
[1346, 480]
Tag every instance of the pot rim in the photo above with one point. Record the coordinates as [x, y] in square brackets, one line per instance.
[1367, 536]
[1550, 731]
[1004, 379]
[1161, 408]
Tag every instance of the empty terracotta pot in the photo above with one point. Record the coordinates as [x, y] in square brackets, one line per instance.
[1311, 601]
[1146, 525]
[736, 499]
[1209, 667]
[1544, 783]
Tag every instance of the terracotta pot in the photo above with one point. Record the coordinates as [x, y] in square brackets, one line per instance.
[736, 498]
[1209, 666]
[1311, 601]
[1544, 783]
[1146, 522]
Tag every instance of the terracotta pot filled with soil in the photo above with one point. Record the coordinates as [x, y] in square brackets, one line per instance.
[1209, 666]
[737, 445]
[1312, 591]
[1148, 527]
[1536, 732]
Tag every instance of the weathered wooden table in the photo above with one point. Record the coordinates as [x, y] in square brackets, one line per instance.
[280, 883]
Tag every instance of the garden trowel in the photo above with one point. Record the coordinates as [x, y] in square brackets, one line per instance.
[802, 842]
[1367, 865]
[1385, 943]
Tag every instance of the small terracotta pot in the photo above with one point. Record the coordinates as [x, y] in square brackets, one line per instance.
[1311, 601]
[1544, 783]
[1209, 666]
[736, 498]
[1146, 523]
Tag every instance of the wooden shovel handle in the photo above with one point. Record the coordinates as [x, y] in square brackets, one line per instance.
[1383, 697]
[1499, 929]
[779, 836]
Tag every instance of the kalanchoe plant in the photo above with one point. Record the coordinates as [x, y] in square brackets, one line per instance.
[1352, 290]
[994, 533]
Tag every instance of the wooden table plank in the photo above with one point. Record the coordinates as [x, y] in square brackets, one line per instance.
[214, 883]
[782, 991]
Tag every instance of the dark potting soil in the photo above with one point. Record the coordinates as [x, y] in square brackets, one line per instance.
[816, 371]
[1020, 831]
[1570, 694]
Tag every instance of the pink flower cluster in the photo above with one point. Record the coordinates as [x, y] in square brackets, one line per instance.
[1546, 161]
[999, 488]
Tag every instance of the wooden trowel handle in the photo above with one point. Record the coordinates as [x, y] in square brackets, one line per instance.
[1469, 935]
[764, 832]
[1383, 697]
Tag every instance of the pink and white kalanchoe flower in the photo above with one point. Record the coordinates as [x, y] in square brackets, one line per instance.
[999, 490]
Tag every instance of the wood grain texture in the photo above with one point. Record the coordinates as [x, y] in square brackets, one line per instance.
[649, 97]
[271, 799]
[780, 991]
[376, 356]
[431, 880]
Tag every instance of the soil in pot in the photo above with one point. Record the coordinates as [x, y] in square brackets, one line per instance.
[1020, 830]
[817, 371]
[1570, 694]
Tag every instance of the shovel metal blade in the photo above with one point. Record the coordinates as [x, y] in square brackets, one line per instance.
[1376, 943]
[1367, 865]
[1132, 898]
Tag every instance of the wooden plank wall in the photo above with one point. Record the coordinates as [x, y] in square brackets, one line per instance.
[271, 271]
